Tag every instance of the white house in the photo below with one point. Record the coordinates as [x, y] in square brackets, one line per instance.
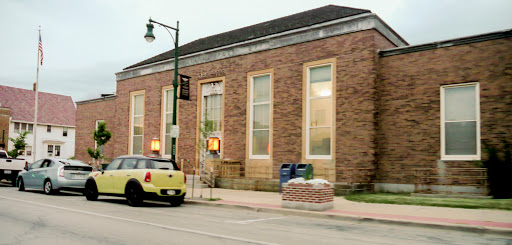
[55, 136]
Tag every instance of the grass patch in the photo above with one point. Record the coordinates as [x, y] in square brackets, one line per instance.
[213, 199]
[407, 199]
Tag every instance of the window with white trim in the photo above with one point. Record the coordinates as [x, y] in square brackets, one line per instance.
[137, 123]
[65, 131]
[53, 151]
[460, 122]
[260, 106]
[23, 127]
[167, 121]
[319, 112]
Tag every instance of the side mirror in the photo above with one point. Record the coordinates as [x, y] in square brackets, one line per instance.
[26, 168]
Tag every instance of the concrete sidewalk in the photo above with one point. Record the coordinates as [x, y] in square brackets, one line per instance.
[474, 220]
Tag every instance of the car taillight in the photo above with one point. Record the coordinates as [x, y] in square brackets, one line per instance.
[185, 176]
[147, 177]
[61, 171]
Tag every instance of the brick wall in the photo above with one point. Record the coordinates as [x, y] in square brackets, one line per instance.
[86, 117]
[320, 193]
[356, 55]
[409, 105]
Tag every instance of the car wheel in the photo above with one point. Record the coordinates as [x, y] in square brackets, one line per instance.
[91, 191]
[21, 185]
[48, 187]
[133, 195]
[177, 201]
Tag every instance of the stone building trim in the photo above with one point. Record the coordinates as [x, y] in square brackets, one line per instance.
[328, 29]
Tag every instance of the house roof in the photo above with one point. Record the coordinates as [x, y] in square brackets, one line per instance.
[287, 23]
[53, 109]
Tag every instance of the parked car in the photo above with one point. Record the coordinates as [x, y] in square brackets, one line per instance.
[139, 178]
[52, 175]
[10, 167]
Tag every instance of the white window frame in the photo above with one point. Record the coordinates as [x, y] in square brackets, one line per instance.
[308, 111]
[132, 116]
[65, 131]
[251, 116]
[164, 121]
[443, 138]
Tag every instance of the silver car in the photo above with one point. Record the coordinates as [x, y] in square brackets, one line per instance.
[52, 175]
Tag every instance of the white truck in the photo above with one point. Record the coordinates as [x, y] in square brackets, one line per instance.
[10, 167]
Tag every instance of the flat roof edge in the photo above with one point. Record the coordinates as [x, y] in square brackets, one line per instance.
[447, 43]
[96, 100]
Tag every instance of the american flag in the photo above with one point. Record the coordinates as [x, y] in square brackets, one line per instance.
[41, 48]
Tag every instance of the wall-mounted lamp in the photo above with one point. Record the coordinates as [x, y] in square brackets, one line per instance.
[213, 144]
[155, 146]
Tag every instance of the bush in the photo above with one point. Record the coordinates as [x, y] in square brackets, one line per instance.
[499, 171]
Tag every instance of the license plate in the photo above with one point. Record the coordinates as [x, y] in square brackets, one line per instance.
[171, 192]
[79, 176]
[7, 172]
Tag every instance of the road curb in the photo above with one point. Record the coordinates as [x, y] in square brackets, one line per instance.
[345, 217]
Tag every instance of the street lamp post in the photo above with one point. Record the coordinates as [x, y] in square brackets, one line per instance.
[150, 38]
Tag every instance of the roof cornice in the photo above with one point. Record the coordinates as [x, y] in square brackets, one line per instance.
[328, 29]
[447, 43]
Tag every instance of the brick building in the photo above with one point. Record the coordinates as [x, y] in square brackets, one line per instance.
[334, 86]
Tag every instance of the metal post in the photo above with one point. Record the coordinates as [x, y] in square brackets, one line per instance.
[175, 89]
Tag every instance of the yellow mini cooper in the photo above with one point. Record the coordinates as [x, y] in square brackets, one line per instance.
[139, 178]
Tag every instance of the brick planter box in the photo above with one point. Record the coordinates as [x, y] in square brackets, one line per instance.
[317, 197]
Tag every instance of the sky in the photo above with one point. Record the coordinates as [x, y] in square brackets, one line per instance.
[86, 42]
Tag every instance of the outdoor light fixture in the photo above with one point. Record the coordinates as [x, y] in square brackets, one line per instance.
[150, 37]
[155, 144]
[213, 144]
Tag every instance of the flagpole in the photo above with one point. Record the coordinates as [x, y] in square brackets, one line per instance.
[34, 144]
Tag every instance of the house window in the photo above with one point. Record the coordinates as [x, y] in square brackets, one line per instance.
[211, 109]
[54, 150]
[28, 150]
[260, 116]
[23, 127]
[460, 122]
[16, 127]
[50, 150]
[65, 131]
[167, 120]
[137, 123]
[319, 111]
[49, 128]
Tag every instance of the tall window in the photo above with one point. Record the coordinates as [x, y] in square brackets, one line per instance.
[319, 111]
[167, 123]
[213, 110]
[260, 106]
[49, 128]
[65, 131]
[460, 122]
[137, 123]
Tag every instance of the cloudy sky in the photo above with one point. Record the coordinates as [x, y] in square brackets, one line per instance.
[86, 42]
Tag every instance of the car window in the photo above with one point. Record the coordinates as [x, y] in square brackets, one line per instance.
[128, 163]
[46, 164]
[163, 165]
[51, 164]
[143, 164]
[36, 164]
[114, 164]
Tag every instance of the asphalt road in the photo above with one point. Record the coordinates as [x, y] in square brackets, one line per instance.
[35, 218]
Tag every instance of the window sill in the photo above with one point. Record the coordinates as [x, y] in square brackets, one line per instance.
[460, 158]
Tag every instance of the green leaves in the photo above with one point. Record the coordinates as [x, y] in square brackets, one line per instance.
[19, 144]
[101, 135]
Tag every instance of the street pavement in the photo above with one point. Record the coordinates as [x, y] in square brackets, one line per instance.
[472, 220]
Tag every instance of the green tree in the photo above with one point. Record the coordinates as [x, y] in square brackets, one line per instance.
[101, 135]
[19, 145]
